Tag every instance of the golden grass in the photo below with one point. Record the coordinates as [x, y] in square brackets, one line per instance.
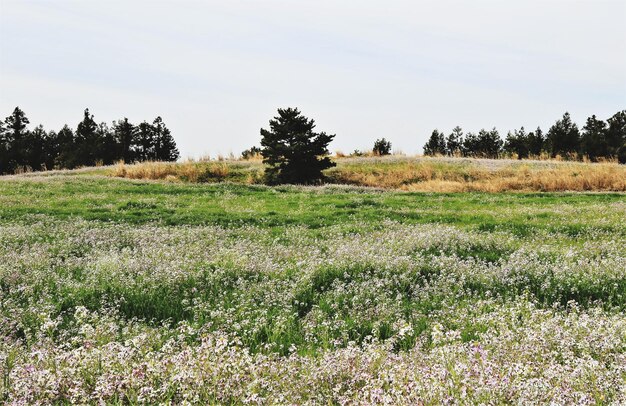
[462, 176]
[411, 174]
[170, 171]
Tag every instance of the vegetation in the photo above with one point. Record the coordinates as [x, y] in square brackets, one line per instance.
[598, 140]
[292, 151]
[91, 144]
[404, 173]
[382, 147]
[126, 291]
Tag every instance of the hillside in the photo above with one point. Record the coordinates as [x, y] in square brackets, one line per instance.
[421, 174]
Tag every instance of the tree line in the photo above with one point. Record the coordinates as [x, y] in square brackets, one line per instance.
[598, 139]
[90, 144]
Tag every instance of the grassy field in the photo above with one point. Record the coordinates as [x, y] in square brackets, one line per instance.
[130, 291]
[418, 174]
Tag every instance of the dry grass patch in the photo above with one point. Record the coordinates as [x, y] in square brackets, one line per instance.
[409, 173]
[452, 175]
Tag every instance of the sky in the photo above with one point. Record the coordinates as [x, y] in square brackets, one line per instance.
[216, 71]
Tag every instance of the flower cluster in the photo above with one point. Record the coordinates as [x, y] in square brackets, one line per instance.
[351, 314]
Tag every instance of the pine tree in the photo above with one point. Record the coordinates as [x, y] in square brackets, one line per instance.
[107, 145]
[88, 143]
[535, 142]
[616, 136]
[593, 142]
[15, 139]
[517, 142]
[67, 157]
[251, 152]
[34, 152]
[436, 144]
[382, 147]
[485, 144]
[454, 141]
[164, 144]
[125, 137]
[564, 137]
[146, 149]
[293, 152]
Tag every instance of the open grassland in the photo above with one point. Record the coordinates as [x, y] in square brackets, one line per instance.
[125, 291]
[404, 173]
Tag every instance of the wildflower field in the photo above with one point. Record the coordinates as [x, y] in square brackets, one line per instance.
[121, 291]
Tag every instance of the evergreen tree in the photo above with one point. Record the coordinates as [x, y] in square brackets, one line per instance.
[35, 154]
[535, 142]
[67, 156]
[517, 142]
[485, 144]
[107, 145]
[564, 137]
[251, 152]
[293, 152]
[52, 149]
[146, 148]
[616, 136]
[15, 139]
[88, 143]
[382, 147]
[593, 142]
[126, 139]
[4, 149]
[454, 141]
[436, 144]
[164, 144]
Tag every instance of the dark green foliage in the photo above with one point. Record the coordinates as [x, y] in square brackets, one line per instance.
[164, 144]
[292, 151]
[564, 137]
[15, 134]
[536, 142]
[88, 143]
[454, 142]
[518, 142]
[485, 144]
[34, 148]
[436, 144]
[616, 136]
[251, 152]
[126, 139]
[382, 147]
[91, 144]
[153, 142]
[593, 142]
[66, 157]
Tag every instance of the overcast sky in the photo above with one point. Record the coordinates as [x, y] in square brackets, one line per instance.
[217, 71]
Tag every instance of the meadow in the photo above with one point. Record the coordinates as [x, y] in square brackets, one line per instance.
[121, 289]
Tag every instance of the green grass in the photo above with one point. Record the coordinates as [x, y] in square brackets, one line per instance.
[565, 219]
[139, 202]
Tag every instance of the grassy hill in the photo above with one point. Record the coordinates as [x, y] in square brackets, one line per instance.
[421, 174]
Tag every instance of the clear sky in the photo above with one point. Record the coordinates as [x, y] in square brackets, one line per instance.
[217, 70]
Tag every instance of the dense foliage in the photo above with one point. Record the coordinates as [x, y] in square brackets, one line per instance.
[292, 151]
[92, 143]
[598, 139]
[381, 147]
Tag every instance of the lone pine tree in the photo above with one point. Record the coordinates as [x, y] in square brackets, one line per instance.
[292, 151]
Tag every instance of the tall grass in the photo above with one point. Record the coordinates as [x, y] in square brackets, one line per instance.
[190, 171]
[410, 173]
[462, 175]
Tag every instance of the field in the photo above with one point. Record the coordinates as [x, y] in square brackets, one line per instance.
[133, 291]
[417, 174]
